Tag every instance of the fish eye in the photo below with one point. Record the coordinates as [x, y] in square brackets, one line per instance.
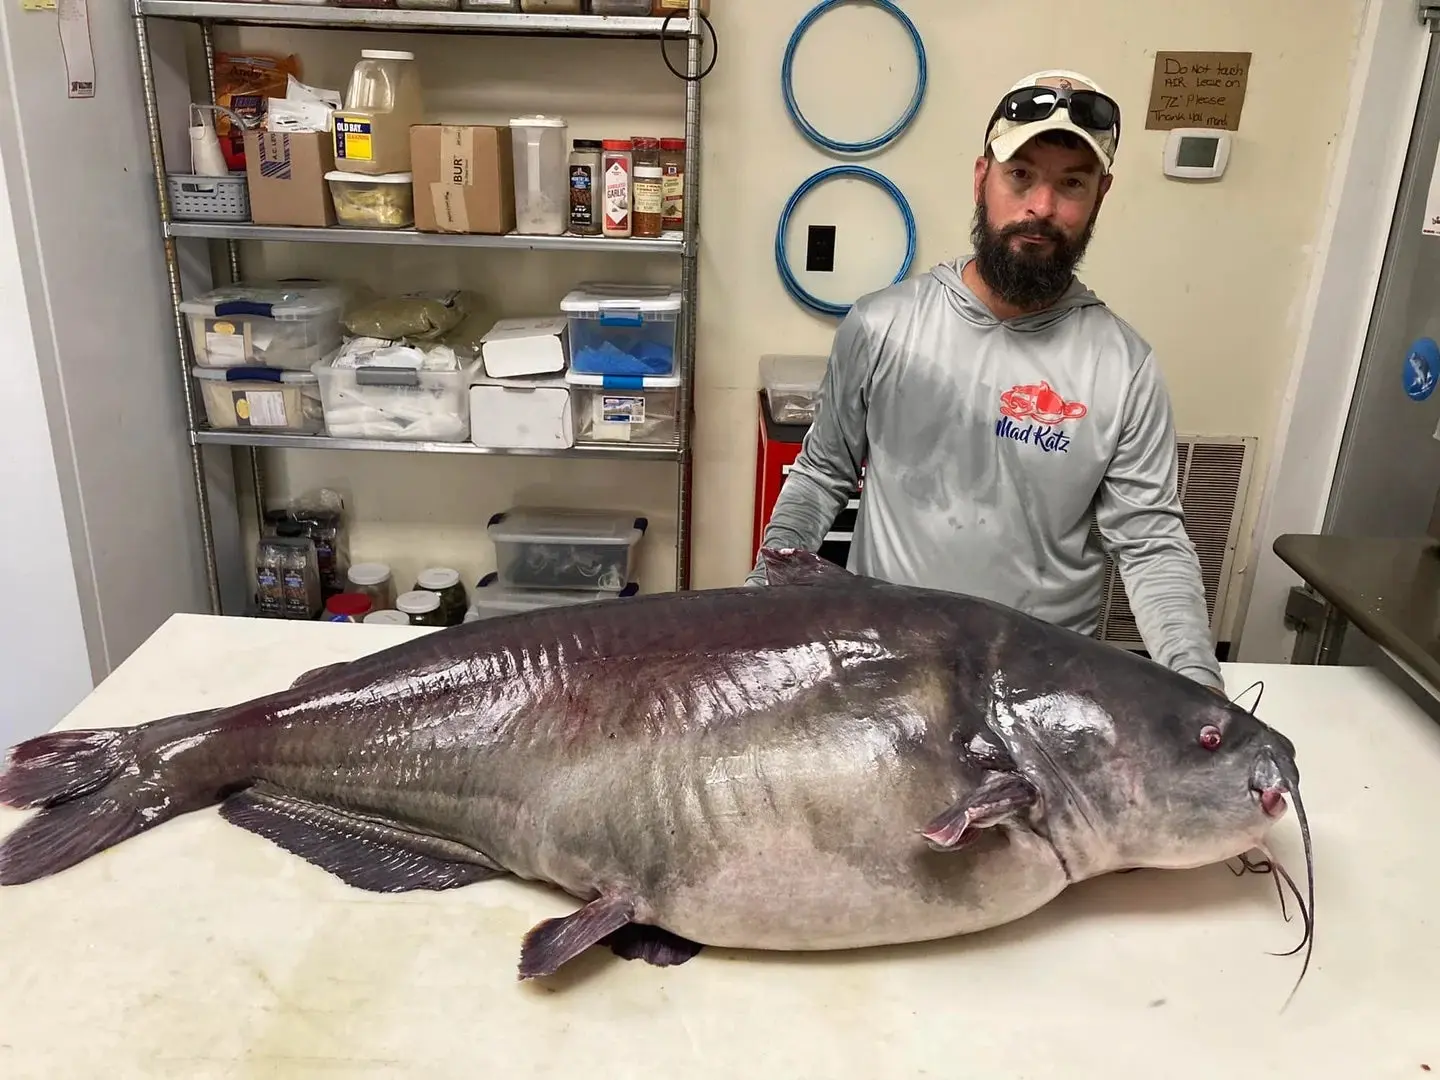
[1210, 737]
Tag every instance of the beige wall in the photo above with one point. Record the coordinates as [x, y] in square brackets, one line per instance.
[1213, 275]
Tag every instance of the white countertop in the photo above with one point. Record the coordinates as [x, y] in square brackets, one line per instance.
[200, 950]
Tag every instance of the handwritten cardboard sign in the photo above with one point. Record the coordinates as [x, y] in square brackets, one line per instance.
[1198, 89]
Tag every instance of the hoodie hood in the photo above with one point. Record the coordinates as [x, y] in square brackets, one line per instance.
[973, 310]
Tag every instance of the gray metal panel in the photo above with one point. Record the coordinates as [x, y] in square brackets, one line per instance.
[1389, 464]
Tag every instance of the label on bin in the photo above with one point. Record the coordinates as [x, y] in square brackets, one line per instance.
[226, 343]
[352, 138]
[259, 408]
[618, 409]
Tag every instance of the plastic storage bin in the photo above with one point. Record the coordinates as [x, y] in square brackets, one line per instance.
[396, 403]
[285, 325]
[265, 399]
[491, 600]
[541, 548]
[541, 158]
[622, 329]
[372, 202]
[792, 386]
[609, 409]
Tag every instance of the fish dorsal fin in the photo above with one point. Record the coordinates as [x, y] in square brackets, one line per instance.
[794, 566]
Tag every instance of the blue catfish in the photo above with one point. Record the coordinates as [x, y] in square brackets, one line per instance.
[825, 762]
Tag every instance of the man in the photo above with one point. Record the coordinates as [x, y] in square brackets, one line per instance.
[997, 404]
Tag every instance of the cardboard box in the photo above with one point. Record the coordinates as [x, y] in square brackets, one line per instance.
[464, 178]
[286, 175]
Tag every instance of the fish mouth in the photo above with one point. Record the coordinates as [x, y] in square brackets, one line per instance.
[1272, 801]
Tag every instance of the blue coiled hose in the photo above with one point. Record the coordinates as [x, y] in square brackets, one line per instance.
[787, 71]
[782, 259]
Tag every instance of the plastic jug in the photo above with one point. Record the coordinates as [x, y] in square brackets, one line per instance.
[383, 100]
[542, 174]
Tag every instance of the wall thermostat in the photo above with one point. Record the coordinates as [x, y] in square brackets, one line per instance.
[1197, 153]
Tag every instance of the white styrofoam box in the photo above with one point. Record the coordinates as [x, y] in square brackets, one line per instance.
[290, 325]
[491, 600]
[607, 408]
[622, 329]
[265, 399]
[396, 403]
[524, 346]
[521, 413]
[548, 548]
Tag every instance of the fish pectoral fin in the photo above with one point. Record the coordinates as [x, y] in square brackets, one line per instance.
[363, 852]
[653, 944]
[998, 797]
[552, 943]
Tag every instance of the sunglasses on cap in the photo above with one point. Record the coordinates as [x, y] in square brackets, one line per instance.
[1089, 109]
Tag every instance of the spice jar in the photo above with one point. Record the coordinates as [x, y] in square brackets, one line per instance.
[269, 567]
[299, 571]
[618, 163]
[347, 607]
[586, 187]
[445, 582]
[647, 192]
[672, 172]
[422, 606]
[372, 579]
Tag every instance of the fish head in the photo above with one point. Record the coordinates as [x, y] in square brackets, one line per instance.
[1168, 777]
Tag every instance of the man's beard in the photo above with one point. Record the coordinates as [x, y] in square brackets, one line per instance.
[1031, 276]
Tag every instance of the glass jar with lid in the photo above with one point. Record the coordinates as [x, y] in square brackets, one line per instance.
[372, 579]
[422, 606]
[445, 582]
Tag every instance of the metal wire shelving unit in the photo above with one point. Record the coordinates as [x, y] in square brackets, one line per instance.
[684, 244]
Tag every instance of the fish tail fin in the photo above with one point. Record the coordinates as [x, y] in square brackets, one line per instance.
[93, 789]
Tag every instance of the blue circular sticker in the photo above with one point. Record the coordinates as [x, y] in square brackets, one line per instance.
[1422, 368]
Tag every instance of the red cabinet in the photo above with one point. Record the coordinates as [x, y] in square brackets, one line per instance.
[777, 447]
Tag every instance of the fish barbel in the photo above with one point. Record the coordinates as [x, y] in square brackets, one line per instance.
[825, 762]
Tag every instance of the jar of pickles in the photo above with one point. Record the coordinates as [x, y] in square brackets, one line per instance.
[445, 582]
[422, 606]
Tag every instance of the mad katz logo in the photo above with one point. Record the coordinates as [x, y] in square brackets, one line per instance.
[1033, 412]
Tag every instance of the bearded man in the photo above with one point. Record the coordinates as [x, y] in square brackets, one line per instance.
[999, 407]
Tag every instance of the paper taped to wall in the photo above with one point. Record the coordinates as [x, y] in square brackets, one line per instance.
[74, 16]
[1198, 89]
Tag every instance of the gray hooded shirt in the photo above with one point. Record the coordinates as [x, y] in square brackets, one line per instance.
[989, 447]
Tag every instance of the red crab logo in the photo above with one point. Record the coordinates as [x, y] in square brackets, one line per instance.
[1037, 401]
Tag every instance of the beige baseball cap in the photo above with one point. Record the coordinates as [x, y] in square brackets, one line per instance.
[1007, 136]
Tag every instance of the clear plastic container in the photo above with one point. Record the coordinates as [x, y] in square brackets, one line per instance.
[543, 548]
[552, 7]
[622, 329]
[492, 600]
[382, 101]
[542, 175]
[375, 581]
[607, 409]
[386, 201]
[282, 325]
[396, 403]
[261, 399]
[620, 7]
[792, 386]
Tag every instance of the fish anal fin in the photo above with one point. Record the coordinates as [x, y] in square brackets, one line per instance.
[362, 852]
[551, 944]
[653, 944]
[794, 566]
[1000, 796]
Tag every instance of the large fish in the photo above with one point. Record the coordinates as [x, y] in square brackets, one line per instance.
[828, 762]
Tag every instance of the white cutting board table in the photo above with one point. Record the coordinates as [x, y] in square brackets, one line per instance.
[200, 950]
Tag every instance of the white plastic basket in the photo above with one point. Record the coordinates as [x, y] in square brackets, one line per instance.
[209, 198]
